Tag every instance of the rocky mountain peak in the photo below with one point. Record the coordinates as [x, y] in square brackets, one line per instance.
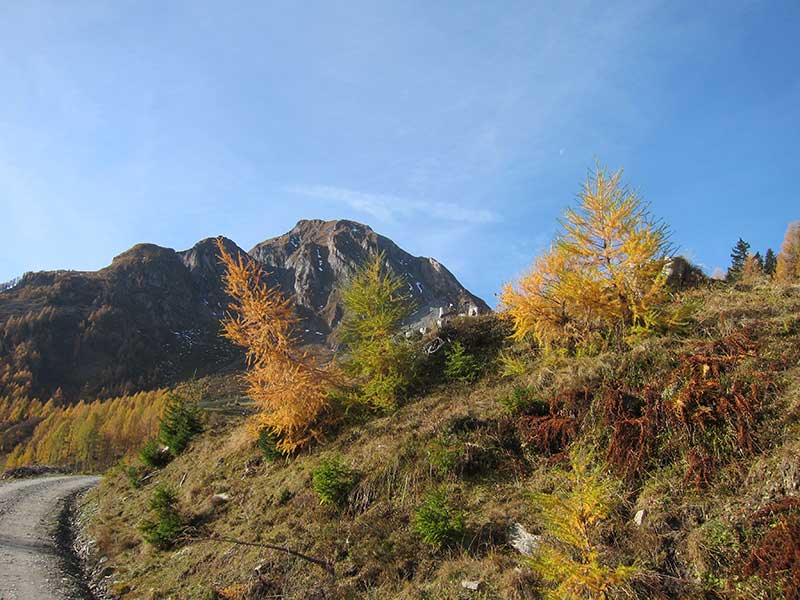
[142, 253]
[202, 259]
[316, 258]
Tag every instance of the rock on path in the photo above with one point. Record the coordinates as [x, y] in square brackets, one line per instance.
[30, 567]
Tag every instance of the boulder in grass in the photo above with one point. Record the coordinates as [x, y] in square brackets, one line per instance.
[471, 585]
[523, 542]
[639, 517]
[219, 499]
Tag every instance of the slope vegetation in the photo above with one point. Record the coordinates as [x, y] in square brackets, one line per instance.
[667, 468]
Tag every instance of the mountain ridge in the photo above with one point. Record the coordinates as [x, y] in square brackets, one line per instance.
[151, 317]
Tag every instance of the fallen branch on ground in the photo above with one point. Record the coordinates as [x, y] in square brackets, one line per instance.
[317, 561]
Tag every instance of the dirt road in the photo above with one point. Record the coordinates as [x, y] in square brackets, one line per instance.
[30, 565]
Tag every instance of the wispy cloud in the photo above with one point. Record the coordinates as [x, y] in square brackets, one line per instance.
[389, 208]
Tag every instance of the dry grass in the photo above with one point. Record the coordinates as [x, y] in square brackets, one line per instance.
[273, 503]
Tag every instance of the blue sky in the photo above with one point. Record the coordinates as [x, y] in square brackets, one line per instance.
[459, 129]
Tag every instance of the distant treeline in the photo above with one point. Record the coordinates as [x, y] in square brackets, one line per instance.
[85, 436]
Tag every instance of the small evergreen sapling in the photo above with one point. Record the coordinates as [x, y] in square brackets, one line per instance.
[523, 400]
[134, 475]
[437, 522]
[179, 424]
[268, 444]
[332, 481]
[154, 455]
[443, 455]
[162, 531]
[460, 365]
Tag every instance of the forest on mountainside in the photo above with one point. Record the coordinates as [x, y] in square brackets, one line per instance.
[84, 437]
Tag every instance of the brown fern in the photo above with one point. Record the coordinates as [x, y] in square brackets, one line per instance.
[776, 555]
[553, 432]
[715, 395]
[635, 423]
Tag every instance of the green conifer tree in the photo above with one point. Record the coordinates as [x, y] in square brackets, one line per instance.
[180, 422]
[375, 307]
[770, 262]
[163, 531]
[739, 255]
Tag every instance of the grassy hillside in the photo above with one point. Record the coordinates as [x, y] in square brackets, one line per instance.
[693, 439]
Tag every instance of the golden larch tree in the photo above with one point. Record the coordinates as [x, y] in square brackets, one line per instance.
[571, 559]
[752, 271]
[788, 268]
[537, 305]
[604, 271]
[285, 381]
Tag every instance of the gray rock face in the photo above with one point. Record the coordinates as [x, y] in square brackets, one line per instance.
[316, 258]
[205, 272]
